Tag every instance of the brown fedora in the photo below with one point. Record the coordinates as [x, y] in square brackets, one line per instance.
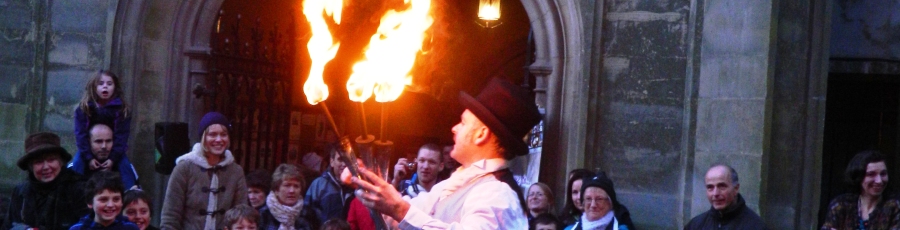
[39, 143]
[508, 110]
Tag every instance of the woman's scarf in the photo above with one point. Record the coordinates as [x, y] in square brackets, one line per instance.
[597, 224]
[286, 215]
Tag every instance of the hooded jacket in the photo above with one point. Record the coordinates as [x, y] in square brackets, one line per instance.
[735, 216]
[198, 192]
[110, 114]
[54, 205]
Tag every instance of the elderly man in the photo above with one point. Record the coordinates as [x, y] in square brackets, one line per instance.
[101, 137]
[728, 208]
[52, 196]
[429, 164]
[482, 194]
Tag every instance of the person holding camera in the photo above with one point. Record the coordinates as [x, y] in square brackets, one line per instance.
[422, 173]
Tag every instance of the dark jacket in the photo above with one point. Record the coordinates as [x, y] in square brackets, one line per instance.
[327, 198]
[55, 205]
[110, 114]
[736, 216]
[124, 167]
[306, 221]
[87, 223]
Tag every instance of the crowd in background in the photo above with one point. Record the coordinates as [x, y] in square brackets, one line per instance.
[98, 188]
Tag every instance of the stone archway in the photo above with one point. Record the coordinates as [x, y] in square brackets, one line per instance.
[160, 44]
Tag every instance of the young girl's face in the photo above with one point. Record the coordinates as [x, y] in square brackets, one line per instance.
[105, 88]
[138, 212]
[243, 224]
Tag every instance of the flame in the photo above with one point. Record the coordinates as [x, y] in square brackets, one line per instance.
[489, 10]
[321, 46]
[391, 53]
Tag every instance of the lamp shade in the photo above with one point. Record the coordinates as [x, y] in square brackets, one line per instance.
[489, 10]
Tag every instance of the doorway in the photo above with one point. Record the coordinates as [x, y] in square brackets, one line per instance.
[861, 114]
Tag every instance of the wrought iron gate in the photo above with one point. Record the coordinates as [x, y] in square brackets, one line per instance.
[250, 81]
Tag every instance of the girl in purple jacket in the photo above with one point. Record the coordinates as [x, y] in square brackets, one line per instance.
[102, 103]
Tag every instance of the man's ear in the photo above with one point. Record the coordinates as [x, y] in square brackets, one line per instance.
[481, 135]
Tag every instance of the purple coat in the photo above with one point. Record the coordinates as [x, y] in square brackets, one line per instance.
[110, 114]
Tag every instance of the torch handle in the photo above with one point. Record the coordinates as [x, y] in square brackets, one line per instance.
[349, 156]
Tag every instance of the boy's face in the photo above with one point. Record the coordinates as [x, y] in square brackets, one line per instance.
[106, 205]
[243, 224]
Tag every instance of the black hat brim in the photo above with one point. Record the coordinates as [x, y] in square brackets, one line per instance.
[515, 146]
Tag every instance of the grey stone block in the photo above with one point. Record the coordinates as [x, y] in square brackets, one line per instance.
[83, 50]
[730, 126]
[17, 46]
[65, 87]
[86, 16]
[12, 84]
[657, 211]
[11, 174]
[12, 121]
[16, 14]
[726, 76]
[737, 27]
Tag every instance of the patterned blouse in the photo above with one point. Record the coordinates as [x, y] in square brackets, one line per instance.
[843, 214]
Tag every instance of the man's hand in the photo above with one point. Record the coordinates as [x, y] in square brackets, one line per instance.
[399, 172]
[380, 196]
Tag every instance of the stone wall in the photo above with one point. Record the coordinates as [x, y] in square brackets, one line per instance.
[51, 49]
[866, 29]
[641, 102]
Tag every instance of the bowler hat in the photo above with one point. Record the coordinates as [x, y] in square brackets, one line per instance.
[38, 144]
[508, 110]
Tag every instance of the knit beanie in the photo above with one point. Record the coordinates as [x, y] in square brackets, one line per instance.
[600, 181]
[213, 118]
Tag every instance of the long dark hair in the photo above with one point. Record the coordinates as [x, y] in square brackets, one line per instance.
[856, 169]
[570, 210]
[90, 92]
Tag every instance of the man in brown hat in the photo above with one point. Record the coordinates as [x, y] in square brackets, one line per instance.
[483, 193]
[52, 196]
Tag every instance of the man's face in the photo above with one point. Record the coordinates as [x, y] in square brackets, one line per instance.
[101, 142]
[547, 226]
[106, 206]
[46, 167]
[463, 137]
[720, 191]
[429, 165]
[288, 193]
[337, 165]
[256, 196]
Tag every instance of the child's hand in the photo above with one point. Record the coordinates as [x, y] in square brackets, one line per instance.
[107, 165]
[94, 165]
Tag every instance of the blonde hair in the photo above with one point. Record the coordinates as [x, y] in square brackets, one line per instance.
[90, 92]
[286, 172]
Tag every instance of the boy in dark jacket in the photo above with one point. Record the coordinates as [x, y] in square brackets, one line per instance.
[104, 197]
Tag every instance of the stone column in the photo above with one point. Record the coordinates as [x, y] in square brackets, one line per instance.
[734, 97]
